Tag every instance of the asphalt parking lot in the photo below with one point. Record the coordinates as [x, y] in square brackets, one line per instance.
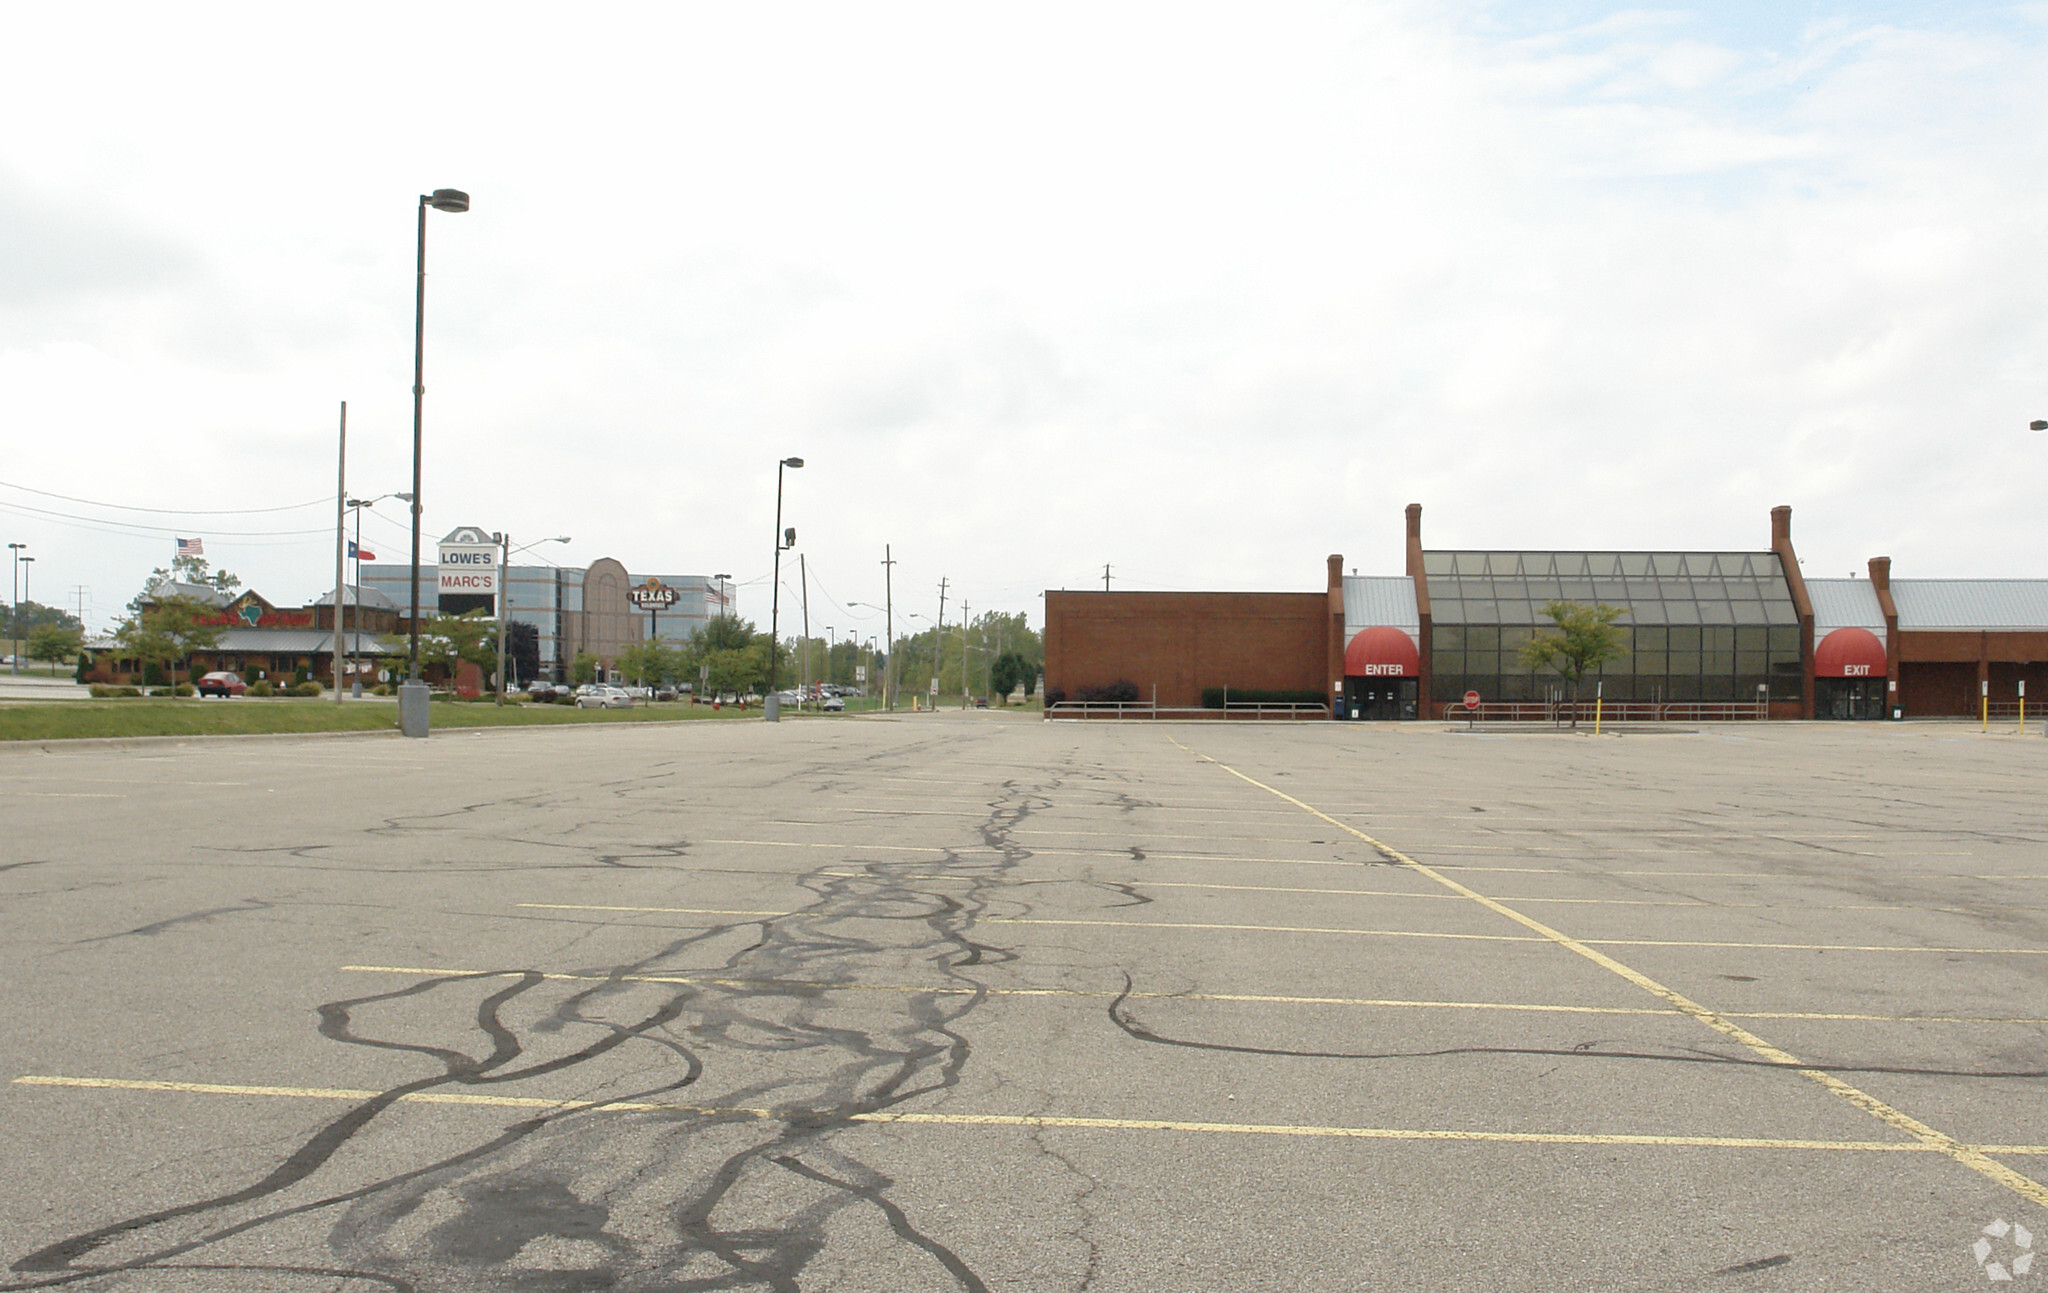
[968, 1001]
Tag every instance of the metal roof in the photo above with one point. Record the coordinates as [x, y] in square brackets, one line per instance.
[298, 642]
[1972, 603]
[1372, 600]
[1844, 604]
[366, 596]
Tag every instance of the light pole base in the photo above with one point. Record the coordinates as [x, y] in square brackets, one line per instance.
[412, 709]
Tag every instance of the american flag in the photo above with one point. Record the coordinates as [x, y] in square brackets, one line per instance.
[191, 548]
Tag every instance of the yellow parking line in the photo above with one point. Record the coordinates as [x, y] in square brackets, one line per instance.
[1028, 1120]
[672, 911]
[1969, 1156]
[1516, 938]
[1245, 997]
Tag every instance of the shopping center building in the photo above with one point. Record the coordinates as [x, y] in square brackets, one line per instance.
[1732, 633]
[602, 608]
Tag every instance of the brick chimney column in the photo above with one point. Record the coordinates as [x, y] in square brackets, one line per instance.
[1881, 584]
[1781, 543]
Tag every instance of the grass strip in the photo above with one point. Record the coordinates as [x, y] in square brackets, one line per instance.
[62, 720]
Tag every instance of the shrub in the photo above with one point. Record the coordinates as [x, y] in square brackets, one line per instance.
[381, 689]
[184, 689]
[305, 687]
[1055, 696]
[260, 688]
[160, 692]
[1123, 689]
[1212, 697]
[105, 691]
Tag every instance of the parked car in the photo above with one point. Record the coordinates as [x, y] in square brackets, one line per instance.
[602, 696]
[223, 684]
[832, 704]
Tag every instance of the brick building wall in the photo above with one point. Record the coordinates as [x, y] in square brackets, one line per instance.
[1181, 643]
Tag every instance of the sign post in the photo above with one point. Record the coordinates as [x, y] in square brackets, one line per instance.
[1471, 709]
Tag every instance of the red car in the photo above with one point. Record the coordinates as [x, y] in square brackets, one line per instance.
[222, 684]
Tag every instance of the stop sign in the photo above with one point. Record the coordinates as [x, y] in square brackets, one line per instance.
[1471, 700]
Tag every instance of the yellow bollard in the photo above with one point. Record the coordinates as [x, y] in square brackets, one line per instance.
[1597, 703]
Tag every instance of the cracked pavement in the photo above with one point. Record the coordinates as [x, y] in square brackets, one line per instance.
[980, 1002]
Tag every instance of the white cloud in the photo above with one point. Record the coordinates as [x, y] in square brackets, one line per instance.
[1203, 294]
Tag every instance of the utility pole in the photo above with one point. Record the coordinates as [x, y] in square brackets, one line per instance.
[888, 630]
[964, 622]
[938, 641]
[79, 591]
[341, 534]
[803, 579]
[1105, 576]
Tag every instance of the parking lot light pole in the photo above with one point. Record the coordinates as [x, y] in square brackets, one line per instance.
[783, 539]
[14, 551]
[412, 694]
[723, 609]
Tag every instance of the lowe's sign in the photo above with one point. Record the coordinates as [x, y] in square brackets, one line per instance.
[469, 562]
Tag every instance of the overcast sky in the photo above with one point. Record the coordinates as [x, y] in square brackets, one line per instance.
[1202, 292]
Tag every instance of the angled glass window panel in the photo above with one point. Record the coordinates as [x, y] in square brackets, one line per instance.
[1478, 612]
[1545, 590]
[1749, 566]
[1438, 563]
[1578, 590]
[1745, 590]
[1505, 564]
[1709, 590]
[1607, 565]
[1667, 564]
[1781, 612]
[1610, 590]
[1769, 567]
[1716, 612]
[1635, 565]
[1713, 565]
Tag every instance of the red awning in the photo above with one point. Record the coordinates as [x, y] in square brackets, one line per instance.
[1849, 653]
[1382, 653]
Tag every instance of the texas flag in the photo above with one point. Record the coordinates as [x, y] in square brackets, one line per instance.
[359, 554]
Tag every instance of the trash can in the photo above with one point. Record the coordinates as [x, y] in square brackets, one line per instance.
[771, 709]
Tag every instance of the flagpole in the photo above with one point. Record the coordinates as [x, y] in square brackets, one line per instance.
[340, 538]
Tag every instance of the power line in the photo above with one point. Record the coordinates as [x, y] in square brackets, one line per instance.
[137, 527]
[166, 511]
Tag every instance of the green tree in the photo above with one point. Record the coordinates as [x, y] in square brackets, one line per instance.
[583, 669]
[646, 663]
[170, 630]
[53, 643]
[32, 616]
[185, 570]
[1586, 638]
[447, 640]
[1010, 671]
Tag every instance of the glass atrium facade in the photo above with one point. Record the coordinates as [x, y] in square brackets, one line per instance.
[1699, 626]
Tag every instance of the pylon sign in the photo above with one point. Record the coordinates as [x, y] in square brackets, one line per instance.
[653, 595]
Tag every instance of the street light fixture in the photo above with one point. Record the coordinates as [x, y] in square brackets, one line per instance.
[2037, 425]
[412, 695]
[723, 609]
[14, 551]
[784, 539]
[357, 505]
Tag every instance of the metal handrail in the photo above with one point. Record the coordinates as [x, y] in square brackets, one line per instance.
[1611, 711]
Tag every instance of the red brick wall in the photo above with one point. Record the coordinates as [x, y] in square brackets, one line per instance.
[1183, 642]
